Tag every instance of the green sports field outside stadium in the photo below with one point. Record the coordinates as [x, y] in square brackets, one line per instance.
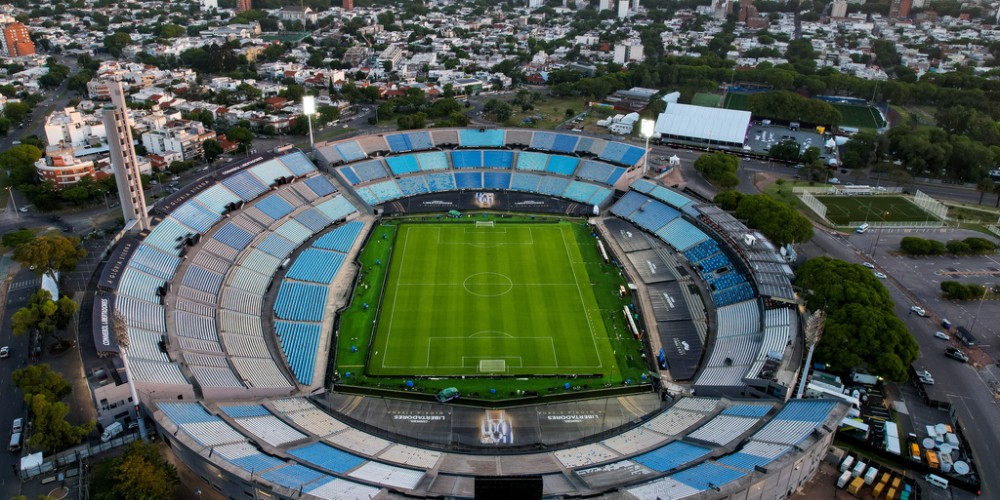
[512, 299]
[843, 210]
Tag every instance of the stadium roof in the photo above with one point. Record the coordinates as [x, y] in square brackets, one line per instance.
[703, 124]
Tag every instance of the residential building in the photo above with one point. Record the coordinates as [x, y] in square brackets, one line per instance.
[124, 161]
[628, 51]
[899, 9]
[838, 10]
[535, 4]
[243, 5]
[298, 13]
[70, 128]
[179, 136]
[63, 168]
[348, 5]
[622, 9]
[16, 40]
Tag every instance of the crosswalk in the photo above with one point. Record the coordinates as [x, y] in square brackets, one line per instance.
[28, 283]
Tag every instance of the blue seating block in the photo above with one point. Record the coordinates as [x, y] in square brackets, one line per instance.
[707, 475]
[274, 207]
[671, 456]
[531, 161]
[327, 457]
[486, 138]
[349, 175]
[562, 165]
[320, 185]
[370, 170]
[412, 185]
[340, 239]
[317, 266]
[300, 301]
[496, 180]
[469, 180]
[402, 165]
[525, 182]
[628, 204]
[243, 411]
[440, 182]
[565, 143]
[300, 343]
[467, 159]
[498, 159]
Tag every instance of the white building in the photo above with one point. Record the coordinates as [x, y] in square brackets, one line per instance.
[181, 136]
[623, 9]
[629, 51]
[70, 128]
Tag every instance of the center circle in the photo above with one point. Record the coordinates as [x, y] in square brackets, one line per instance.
[488, 284]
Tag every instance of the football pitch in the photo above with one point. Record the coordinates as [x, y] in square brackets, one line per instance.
[513, 299]
[843, 210]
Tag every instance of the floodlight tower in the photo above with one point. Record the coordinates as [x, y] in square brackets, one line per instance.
[309, 108]
[646, 130]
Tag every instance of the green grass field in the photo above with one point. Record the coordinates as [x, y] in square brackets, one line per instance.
[862, 117]
[468, 300]
[706, 99]
[842, 210]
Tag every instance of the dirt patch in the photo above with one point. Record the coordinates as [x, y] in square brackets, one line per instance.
[763, 179]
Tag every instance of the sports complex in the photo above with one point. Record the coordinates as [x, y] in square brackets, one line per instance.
[293, 324]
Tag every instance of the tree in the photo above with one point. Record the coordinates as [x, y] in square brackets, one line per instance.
[861, 328]
[117, 42]
[140, 473]
[985, 185]
[16, 112]
[787, 150]
[43, 314]
[778, 222]
[719, 169]
[328, 114]
[41, 379]
[50, 253]
[212, 150]
[52, 432]
[14, 239]
[242, 135]
[172, 31]
[19, 161]
[498, 111]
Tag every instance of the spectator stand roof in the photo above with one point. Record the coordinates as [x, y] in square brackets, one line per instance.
[699, 123]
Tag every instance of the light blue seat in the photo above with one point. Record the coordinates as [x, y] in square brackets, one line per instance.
[245, 185]
[432, 161]
[471, 138]
[336, 208]
[527, 160]
[565, 143]
[370, 170]
[671, 456]
[595, 171]
[350, 151]
[562, 165]
[349, 175]
[402, 165]
[628, 204]
[316, 266]
[274, 206]
[553, 186]
[543, 140]
[269, 171]
[216, 197]
[300, 343]
[276, 245]
[498, 159]
[413, 185]
[440, 182]
[681, 234]
[579, 191]
[340, 239]
[313, 219]
[496, 180]
[469, 180]
[525, 182]
[467, 159]
[386, 190]
[300, 301]
[298, 163]
[320, 185]
[654, 215]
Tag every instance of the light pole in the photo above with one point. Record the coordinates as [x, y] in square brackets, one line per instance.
[646, 130]
[986, 289]
[878, 236]
[309, 108]
[12, 202]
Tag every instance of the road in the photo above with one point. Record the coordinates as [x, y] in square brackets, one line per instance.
[21, 286]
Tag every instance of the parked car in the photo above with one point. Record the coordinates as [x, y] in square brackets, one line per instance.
[942, 335]
[880, 276]
[869, 265]
[919, 311]
[925, 377]
[954, 353]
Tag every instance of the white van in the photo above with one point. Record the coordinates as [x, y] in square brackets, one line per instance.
[862, 228]
[112, 430]
[936, 480]
[17, 426]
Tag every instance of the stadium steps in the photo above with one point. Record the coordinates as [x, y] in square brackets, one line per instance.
[347, 191]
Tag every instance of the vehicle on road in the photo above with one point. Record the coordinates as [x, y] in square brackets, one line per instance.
[23, 210]
[919, 311]
[4, 352]
[925, 377]
[17, 425]
[954, 353]
[942, 335]
[880, 276]
[862, 228]
[112, 430]
[869, 265]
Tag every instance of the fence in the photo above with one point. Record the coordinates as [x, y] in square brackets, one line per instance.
[73, 455]
[816, 205]
[899, 224]
[930, 205]
[994, 229]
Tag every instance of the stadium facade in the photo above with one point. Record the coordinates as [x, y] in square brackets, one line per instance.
[230, 319]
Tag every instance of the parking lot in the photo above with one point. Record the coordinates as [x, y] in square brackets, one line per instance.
[760, 138]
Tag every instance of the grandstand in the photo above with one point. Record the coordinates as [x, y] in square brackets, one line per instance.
[231, 299]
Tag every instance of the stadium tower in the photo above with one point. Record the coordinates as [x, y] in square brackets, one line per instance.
[123, 161]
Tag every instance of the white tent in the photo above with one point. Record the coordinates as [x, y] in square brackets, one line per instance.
[698, 123]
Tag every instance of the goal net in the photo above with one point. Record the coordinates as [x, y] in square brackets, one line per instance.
[485, 223]
[492, 366]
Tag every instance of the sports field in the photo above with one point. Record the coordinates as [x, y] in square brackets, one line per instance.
[842, 210]
[460, 299]
[863, 117]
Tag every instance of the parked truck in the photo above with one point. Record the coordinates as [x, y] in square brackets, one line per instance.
[856, 485]
[864, 378]
[844, 479]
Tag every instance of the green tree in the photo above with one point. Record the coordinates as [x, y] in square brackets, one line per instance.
[15, 239]
[140, 473]
[984, 186]
[16, 112]
[777, 221]
[861, 328]
[43, 314]
[719, 169]
[328, 114]
[41, 379]
[51, 431]
[241, 135]
[787, 150]
[212, 150]
[116, 43]
[50, 253]
[172, 31]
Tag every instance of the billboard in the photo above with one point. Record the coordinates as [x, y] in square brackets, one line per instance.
[497, 201]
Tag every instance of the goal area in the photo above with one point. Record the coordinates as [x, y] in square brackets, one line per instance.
[485, 223]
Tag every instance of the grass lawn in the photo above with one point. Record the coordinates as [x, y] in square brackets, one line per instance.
[706, 99]
[843, 210]
[467, 300]
[737, 101]
[533, 295]
[549, 112]
[864, 117]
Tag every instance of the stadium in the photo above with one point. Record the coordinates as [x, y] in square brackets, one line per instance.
[290, 323]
